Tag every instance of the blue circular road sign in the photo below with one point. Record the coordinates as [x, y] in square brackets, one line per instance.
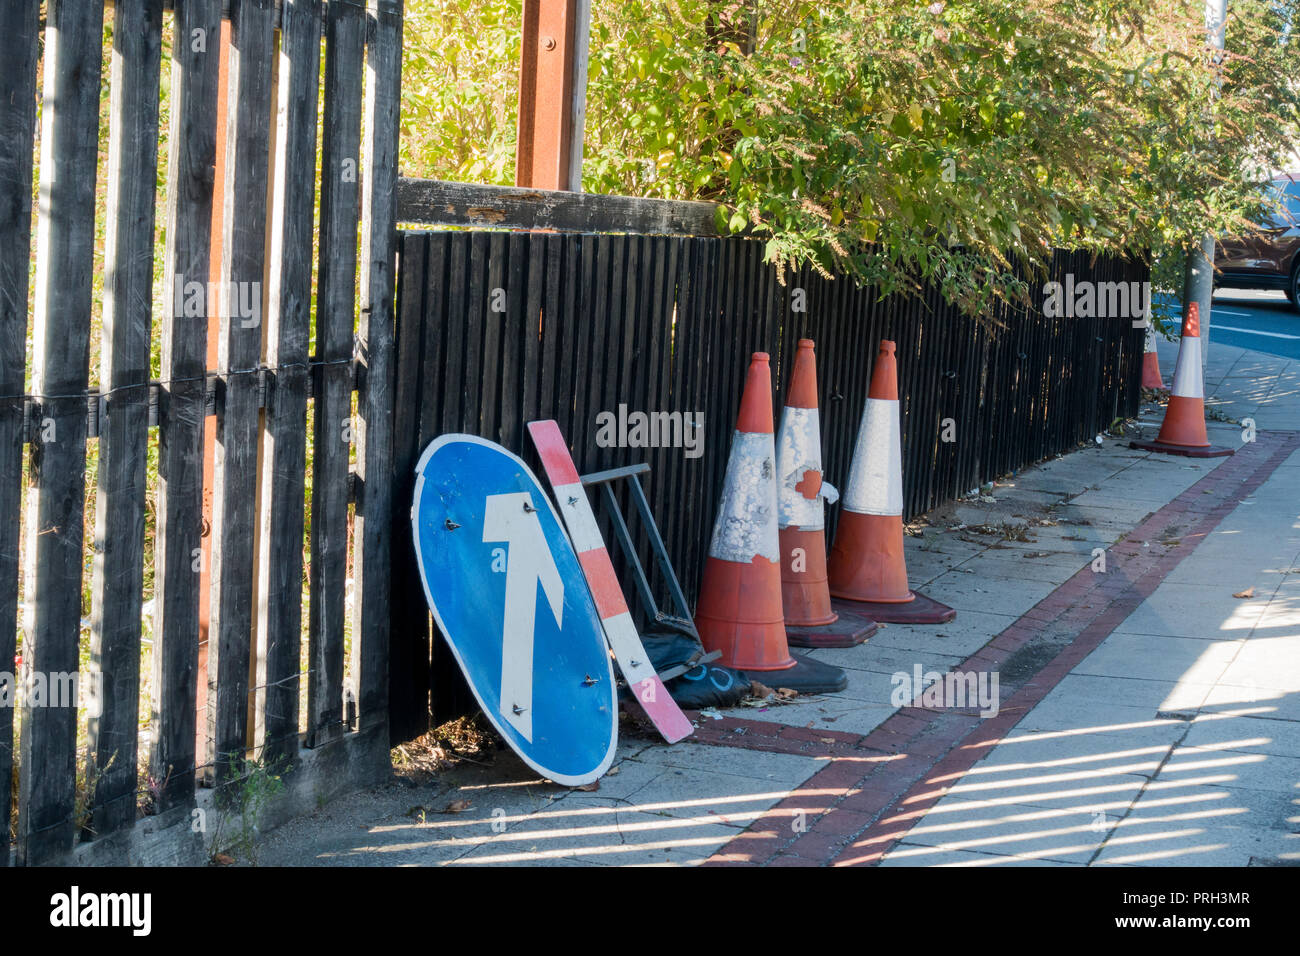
[507, 591]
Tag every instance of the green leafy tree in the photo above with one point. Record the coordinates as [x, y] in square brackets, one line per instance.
[901, 142]
[460, 71]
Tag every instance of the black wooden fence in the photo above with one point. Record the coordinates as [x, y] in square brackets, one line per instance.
[499, 328]
[285, 57]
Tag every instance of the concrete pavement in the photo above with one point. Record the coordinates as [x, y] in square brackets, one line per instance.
[1145, 714]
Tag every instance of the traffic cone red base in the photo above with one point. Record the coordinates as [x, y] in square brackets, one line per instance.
[849, 630]
[920, 610]
[1151, 377]
[741, 620]
[804, 596]
[1151, 373]
[867, 562]
[1189, 451]
[808, 676]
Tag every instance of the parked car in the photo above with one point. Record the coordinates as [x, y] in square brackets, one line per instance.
[1268, 258]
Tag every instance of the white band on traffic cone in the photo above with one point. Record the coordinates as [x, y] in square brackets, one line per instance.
[746, 524]
[876, 477]
[1151, 338]
[799, 451]
[1187, 373]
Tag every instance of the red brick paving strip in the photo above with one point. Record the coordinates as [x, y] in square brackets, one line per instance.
[877, 786]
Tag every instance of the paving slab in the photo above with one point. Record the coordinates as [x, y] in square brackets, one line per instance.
[607, 835]
[974, 592]
[964, 858]
[1067, 835]
[1160, 658]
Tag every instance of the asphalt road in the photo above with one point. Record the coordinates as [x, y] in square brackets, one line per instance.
[1263, 321]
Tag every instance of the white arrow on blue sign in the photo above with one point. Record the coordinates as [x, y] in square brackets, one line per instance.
[508, 593]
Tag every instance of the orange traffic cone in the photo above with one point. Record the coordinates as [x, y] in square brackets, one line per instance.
[739, 611]
[866, 564]
[1183, 430]
[1151, 363]
[801, 490]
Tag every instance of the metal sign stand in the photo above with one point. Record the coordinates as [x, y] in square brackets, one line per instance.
[681, 621]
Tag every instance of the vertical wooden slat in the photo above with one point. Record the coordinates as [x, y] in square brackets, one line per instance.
[19, 51]
[60, 373]
[677, 335]
[448, 318]
[471, 399]
[534, 295]
[345, 30]
[582, 432]
[177, 550]
[239, 351]
[512, 334]
[492, 329]
[567, 370]
[116, 594]
[375, 341]
[444, 372]
[410, 621]
[551, 358]
[287, 335]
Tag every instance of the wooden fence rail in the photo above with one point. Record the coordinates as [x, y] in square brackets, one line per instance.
[261, 390]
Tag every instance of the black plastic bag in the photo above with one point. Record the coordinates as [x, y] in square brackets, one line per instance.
[704, 685]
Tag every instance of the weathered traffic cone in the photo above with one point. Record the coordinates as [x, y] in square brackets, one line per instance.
[1183, 430]
[867, 564]
[739, 611]
[801, 516]
[1151, 363]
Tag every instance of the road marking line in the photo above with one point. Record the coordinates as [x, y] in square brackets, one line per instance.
[1272, 335]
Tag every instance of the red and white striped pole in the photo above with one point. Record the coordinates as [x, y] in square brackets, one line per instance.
[620, 630]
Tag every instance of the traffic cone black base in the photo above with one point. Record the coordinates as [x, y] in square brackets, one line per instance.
[808, 676]
[1189, 451]
[920, 610]
[849, 630]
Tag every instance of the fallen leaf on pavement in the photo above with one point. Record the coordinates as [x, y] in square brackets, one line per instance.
[457, 806]
[221, 859]
[589, 787]
[1248, 593]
